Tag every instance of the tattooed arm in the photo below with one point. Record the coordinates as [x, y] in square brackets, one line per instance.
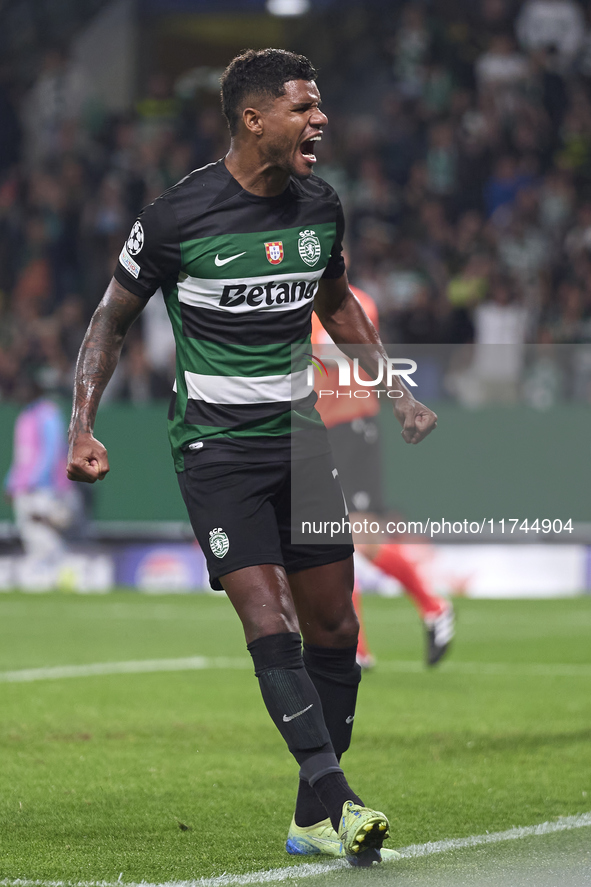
[99, 353]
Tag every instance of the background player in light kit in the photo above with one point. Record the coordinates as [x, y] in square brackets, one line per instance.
[209, 243]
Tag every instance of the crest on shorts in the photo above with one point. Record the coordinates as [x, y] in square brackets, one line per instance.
[219, 542]
[274, 251]
[309, 247]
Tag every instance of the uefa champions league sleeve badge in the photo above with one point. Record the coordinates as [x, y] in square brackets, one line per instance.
[135, 241]
[219, 542]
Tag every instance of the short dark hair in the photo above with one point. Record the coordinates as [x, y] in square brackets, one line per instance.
[262, 72]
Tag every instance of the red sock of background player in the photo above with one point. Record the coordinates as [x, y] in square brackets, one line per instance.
[391, 559]
[362, 645]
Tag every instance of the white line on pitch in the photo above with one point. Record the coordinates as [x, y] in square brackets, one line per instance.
[199, 663]
[142, 666]
[525, 669]
[308, 870]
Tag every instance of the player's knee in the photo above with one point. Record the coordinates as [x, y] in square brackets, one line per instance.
[348, 633]
[339, 630]
[260, 623]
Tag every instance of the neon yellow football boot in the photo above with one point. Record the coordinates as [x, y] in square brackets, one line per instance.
[313, 839]
[362, 832]
[322, 840]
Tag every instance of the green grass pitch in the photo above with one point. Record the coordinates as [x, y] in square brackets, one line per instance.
[179, 775]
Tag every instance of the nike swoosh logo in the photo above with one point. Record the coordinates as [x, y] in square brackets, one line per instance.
[287, 718]
[219, 262]
[350, 719]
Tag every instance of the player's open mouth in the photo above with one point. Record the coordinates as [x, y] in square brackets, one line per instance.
[308, 148]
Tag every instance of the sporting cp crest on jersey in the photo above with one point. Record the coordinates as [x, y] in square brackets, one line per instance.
[274, 251]
[135, 241]
[219, 542]
[309, 247]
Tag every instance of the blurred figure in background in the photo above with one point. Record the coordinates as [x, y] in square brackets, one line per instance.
[354, 439]
[56, 101]
[45, 502]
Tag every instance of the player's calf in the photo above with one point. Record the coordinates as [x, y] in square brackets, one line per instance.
[296, 709]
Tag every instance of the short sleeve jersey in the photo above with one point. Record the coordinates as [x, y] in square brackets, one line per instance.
[238, 273]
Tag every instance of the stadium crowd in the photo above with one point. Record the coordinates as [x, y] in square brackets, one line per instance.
[459, 142]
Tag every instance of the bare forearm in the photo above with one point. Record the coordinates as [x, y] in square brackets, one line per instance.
[351, 329]
[100, 353]
[94, 368]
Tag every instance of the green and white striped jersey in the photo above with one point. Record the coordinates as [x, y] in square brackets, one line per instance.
[239, 273]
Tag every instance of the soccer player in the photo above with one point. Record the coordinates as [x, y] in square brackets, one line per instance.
[354, 439]
[45, 503]
[243, 250]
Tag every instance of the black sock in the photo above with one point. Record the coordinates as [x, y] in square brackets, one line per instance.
[333, 790]
[296, 709]
[336, 676]
[293, 702]
[309, 808]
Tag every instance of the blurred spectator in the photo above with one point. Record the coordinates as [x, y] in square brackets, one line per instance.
[500, 326]
[570, 323]
[552, 23]
[160, 108]
[397, 136]
[469, 238]
[10, 234]
[45, 502]
[406, 276]
[501, 319]
[418, 323]
[578, 239]
[138, 382]
[373, 193]
[442, 160]
[410, 50]
[523, 248]
[501, 69]
[504, 185]
[158, 337]
[547, 80]
[470, 286]
[557, 201]
[464, 292]
[33, 284]
[437, 90]
[575, 137]
[71, 325]
[56, 99]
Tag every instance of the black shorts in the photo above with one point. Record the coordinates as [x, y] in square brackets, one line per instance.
[242, 514]
[357, 455]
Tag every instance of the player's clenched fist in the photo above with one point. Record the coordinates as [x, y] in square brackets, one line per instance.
[416, 419]
[87, 459]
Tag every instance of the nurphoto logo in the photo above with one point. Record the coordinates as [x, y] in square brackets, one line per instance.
[388, 368]
[314, 364]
